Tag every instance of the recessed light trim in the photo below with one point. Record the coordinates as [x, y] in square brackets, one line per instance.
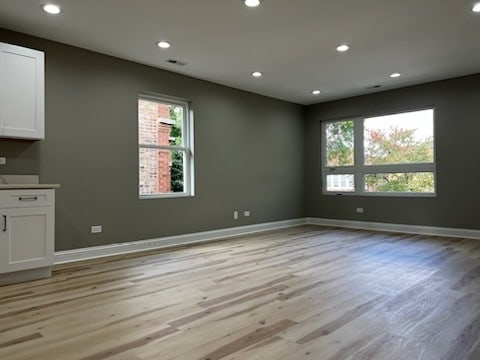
[476, 7]
[395, 75]
[52, 9]
[316, 92]
[252, 3]
[163, 44]
[343, 48]
[257, 74]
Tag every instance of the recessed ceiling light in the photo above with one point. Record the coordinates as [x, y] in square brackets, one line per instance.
[476, 7]
[316, 92]
[52, 9]
[395, 75]
[257, 74]
[163, 44]
[252, 3]
[343, 48]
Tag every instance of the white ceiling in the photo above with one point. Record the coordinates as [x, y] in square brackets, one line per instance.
[292, 42]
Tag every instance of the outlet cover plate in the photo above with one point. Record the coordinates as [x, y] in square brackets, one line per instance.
[96, 229]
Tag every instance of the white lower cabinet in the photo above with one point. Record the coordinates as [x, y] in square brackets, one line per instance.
[25, 239]
[26, 233]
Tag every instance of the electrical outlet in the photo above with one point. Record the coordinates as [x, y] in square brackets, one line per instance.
[3, 161]
[235, 215]
[96, 229]
[246, 213]
[360, 210]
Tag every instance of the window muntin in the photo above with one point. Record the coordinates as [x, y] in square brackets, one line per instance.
[165, 147]
[392, 155]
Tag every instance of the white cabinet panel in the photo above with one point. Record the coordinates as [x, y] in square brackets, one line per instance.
[26, 233]
[22, 83]
[26, 239]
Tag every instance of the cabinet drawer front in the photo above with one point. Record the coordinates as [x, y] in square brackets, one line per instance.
[26, 198]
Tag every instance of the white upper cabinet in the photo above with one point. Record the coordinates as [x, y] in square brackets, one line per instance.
[22, 92]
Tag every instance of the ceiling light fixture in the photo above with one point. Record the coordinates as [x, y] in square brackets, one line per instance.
[252, 3]
[257, 74]
[343, 48]
[395, 75]
[163, 44]
[51, 9]
[476, 7]
[316, 92]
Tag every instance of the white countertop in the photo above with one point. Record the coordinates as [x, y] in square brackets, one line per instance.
[28, 186]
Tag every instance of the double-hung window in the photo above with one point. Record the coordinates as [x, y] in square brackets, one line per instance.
[382, 155]
[165, 147]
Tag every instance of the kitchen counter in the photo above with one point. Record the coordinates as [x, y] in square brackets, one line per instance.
[28, 186]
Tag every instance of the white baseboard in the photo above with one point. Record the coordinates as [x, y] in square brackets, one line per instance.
[185, 239]
[170, 241]
[410, 229]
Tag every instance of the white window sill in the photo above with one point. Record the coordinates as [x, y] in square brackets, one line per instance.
[165, 196]
[378, 194]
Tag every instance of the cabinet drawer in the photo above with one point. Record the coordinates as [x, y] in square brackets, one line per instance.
[26, 198]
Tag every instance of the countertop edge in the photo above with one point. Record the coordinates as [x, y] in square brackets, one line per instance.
[28, 186]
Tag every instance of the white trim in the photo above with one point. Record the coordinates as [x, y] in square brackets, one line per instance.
[381, 194]
[410, 229]
[164, 147]
[186, 147]
[171, 195]
[225, 234]
[153, 96]
[166, 121]
[170, 241]
[359, 169]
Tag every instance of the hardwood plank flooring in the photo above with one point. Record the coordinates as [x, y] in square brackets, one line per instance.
[308, 292]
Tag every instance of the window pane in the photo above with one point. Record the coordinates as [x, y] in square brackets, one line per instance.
[418, 182]
[161, 171]
[341, 183]
[339, 143]
[159, 123]
[405, 138]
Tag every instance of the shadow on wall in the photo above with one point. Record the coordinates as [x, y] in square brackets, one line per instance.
[23, 156]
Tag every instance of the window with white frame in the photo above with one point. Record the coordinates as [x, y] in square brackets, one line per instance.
[382, 155]
[165, 147]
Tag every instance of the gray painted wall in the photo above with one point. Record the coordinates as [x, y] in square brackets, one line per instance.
[252, 152]
[247, 151]
[457, 129]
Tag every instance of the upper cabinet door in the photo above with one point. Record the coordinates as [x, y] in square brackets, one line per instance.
[22, 92]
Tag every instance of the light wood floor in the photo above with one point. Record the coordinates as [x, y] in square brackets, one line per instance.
[301, 293]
